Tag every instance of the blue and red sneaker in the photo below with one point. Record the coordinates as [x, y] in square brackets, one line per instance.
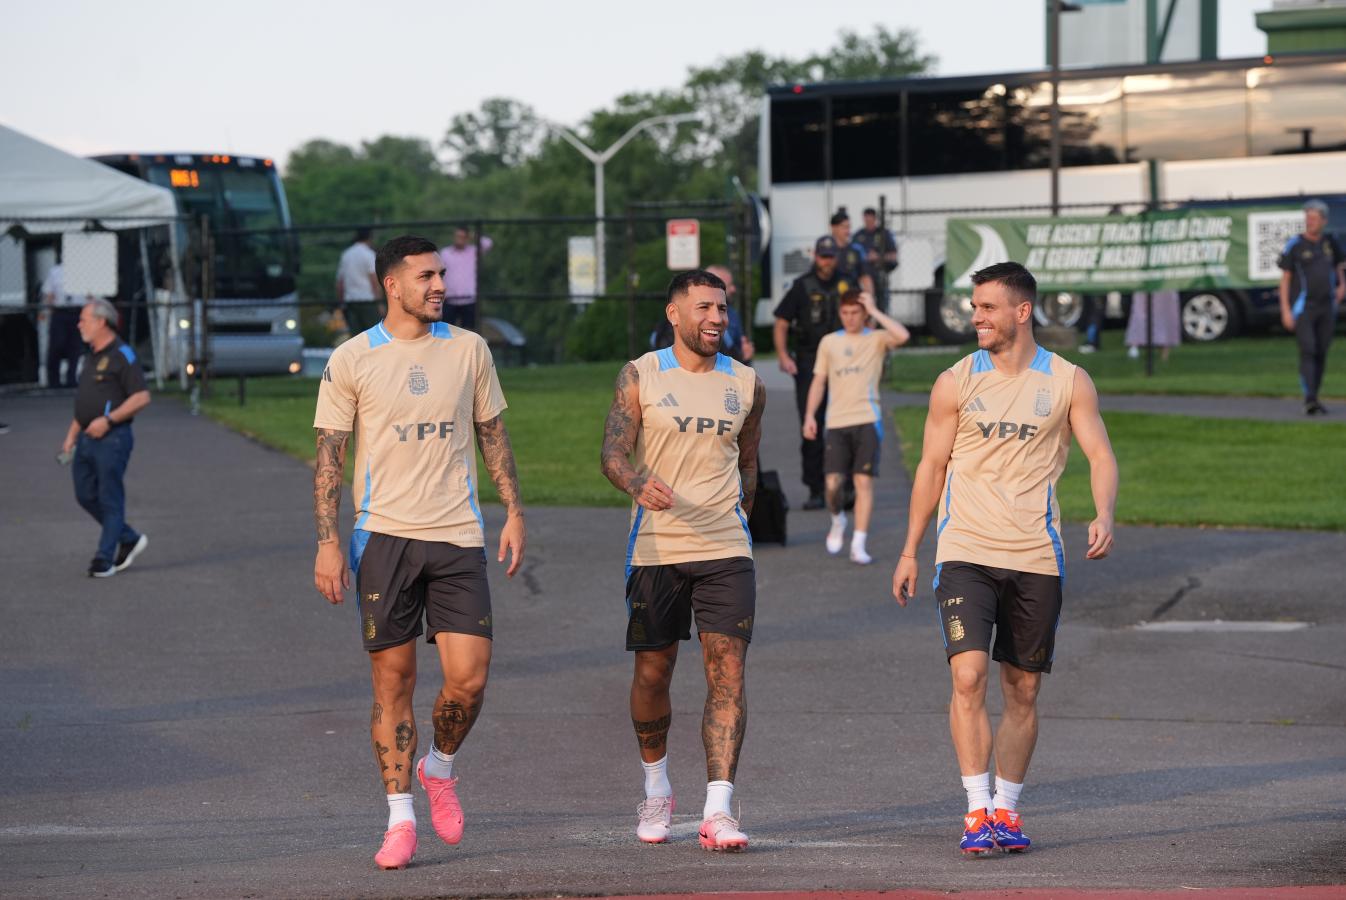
[1007, 827]
[978, 836]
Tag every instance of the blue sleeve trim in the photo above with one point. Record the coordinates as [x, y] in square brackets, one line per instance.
[128, 353]
[359, 539]
[948, 500]
[1056, 540]
[472, 502]
[724, 364]
[631, 547]
[1042, 361]
[981, 362]
[364, 504]
[667, 359]
[441, 330]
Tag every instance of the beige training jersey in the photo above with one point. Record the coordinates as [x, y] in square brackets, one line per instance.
[689, 427]
[853, 364]
[412, 406]
[999, 505]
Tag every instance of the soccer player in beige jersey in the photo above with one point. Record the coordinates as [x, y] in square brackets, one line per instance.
[847, 371]
[681, 439]
[415, 390]
[996, 439]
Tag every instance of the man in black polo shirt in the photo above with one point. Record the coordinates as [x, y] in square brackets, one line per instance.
[1313, 283]
[111, 391]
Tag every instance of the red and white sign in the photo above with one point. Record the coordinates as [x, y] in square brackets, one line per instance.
[684, 244]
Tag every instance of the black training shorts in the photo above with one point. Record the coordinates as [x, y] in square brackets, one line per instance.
[852, 450]
[1022, 607]
[661, 600]
[400, 579]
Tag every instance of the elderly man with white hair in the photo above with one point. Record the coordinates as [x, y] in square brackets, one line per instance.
[111, 391]
[1313, 285]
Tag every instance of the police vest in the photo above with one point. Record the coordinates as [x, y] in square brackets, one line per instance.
[820, 317]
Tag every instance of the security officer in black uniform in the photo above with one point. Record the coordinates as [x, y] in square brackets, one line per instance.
[808, 311]
[852, 260]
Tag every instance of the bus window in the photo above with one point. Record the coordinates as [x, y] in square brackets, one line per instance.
[1186, 116]
[1091, 124]
[797, 132]
[1297, 109]
[956, 131]
[867, 137]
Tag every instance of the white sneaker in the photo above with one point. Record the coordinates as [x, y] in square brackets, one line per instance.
[656, 818]
[1133, 353]
[860, 556]
[721, 832]
[836, 536]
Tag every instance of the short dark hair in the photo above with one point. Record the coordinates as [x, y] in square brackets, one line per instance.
[364, 234]
[1013, 276]
[871, 211]
[850, 297]
[840, 216]
[392, 253]
[683, 282]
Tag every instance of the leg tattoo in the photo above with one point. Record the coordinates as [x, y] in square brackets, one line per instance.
[726, 712]
[653, 735]
[453, 720]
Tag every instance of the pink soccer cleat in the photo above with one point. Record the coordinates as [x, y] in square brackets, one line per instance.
[399, 846]
[720, 832]
[446, 814]
[656, 818]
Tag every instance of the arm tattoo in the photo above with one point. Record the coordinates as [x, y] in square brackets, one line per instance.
[327, 477]
[498, 455]
[653, 735]
[619, 436]
[726, 714]
[749, 438]
[453, 720]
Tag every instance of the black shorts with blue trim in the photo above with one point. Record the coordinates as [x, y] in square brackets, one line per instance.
[399, 581]
[661, 600]
[1022, 608]
[852, 450]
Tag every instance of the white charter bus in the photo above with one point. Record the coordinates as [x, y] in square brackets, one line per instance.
[1231, 130]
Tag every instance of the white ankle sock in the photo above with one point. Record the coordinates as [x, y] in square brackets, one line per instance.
[858, 541]
[439, 765]
[1007, 794]
[656, 778]
[400, 809]
[837, 534]
[719, 794]
[978, 789]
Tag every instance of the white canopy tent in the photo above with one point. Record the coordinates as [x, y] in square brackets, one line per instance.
[45, 190]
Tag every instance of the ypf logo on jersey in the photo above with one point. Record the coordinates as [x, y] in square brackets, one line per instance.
[731, 404]
[417, 383]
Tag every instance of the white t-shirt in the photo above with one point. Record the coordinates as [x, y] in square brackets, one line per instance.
[357, 264]
[54, 283]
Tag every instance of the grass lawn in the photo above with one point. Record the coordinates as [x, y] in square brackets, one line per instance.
[1178, 470]
[555, 423]
[1255, 366]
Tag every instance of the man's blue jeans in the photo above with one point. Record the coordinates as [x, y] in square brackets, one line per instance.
[98, 469]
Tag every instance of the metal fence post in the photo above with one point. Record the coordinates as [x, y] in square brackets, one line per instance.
[631, 349]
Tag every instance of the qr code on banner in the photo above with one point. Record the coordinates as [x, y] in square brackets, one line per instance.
[1267, 235]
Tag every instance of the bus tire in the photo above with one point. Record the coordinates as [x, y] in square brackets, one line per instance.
[948, 317]
[1210, 316]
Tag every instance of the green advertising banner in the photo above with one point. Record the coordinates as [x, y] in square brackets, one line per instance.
[1185, 249]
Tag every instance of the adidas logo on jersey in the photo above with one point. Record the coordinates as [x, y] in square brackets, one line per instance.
[669, 400]
[975, 406]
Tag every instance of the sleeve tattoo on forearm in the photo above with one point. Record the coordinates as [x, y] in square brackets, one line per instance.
[327, 477]
[496, 452]
[749, 438]
[619, 437]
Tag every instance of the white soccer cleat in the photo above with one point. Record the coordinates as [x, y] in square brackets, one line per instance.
[860, 557]
[836, 536]
[656, 819]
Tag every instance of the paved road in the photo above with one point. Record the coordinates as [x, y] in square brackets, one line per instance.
[197, 726]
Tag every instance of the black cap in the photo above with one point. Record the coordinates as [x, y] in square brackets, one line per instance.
[826, 246]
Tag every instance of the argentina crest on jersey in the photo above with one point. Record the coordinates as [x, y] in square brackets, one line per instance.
[1042, 403]
[731, 404]
[417, 382]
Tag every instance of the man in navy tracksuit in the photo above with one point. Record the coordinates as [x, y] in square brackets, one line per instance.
[1313, 283]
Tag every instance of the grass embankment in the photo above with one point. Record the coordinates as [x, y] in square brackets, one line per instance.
[1259, 366]
[1179, 470]
[555, 421]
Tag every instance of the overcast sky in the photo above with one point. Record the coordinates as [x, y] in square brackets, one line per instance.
[260, 78]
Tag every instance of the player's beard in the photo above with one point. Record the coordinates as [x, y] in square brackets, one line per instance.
[1000, 339]
[692, 338]
[421, 311]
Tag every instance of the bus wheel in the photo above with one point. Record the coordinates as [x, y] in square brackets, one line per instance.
[949, 317]
[1059, 308]
[1209, 316]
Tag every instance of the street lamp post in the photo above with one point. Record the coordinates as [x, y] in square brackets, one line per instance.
[600, 160]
